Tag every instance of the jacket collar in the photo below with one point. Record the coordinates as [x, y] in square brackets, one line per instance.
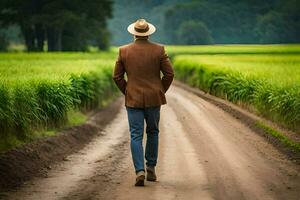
[138, 40]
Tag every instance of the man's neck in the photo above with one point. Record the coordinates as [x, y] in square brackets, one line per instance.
[141, 38]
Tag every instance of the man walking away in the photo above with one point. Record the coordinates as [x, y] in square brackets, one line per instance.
[143, 61]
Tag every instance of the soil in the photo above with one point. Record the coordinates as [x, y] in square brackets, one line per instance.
[204, 153]
[21, 164]
[250, 120]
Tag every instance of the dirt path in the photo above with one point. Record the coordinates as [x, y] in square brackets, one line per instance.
[204, 154]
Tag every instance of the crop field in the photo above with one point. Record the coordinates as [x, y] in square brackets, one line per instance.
[233, 49]
[15, 67]
[37, 90]
[268, 83]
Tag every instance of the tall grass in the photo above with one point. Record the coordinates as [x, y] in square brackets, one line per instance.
[268, 83]
[38, 90]
[174, 50]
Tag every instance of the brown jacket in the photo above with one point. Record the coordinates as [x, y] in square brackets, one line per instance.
[142, 61]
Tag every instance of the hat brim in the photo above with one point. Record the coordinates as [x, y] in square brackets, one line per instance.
[131, 30]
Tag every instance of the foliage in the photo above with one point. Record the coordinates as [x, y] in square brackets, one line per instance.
[65, 25]
[240, 22]
[153, 11]
[3, 41]
[280, 25]
[270, 28]
[249, 79]
[230, 21]
[192, 32]
[37, 91]
[232, 49]
[282, 138]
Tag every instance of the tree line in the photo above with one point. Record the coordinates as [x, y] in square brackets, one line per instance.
[213, 21]
[234, 21]
[63, 25]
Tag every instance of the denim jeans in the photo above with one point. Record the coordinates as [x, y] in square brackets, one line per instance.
[136, 117]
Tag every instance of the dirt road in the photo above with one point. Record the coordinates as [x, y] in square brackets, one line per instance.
[204, 153]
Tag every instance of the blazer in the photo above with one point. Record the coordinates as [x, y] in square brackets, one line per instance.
[143, 62]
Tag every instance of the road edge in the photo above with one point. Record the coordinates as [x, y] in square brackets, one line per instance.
[30, 160]
[257, 124]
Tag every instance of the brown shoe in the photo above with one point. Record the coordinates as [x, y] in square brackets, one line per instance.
[151, 176]
[140, 177]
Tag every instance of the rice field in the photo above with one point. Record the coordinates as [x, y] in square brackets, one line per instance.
[233, 49]
[268, 83]
[15, 67]
[37, 90]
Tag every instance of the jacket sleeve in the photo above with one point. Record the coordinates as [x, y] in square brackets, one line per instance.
[118, 74]
[166, 69]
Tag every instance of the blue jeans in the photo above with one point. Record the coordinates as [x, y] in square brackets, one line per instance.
[136, 117]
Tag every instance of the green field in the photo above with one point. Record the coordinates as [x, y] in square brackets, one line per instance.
[277, 69]
[267, 83]
[39, 90]
[234, 49]
[42, 91]
[50, 66]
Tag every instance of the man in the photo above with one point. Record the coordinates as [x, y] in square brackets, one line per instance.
[144, 90]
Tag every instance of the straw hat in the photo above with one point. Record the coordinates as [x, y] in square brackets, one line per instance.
[141, 28]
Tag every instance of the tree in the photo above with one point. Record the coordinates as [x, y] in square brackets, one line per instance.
[194, 32]
[102, 41]
[3, 42]
[271, 28]
[290, 11]
[59, 22]
[281, 25]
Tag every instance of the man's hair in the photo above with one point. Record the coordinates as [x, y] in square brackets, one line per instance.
[141, 37]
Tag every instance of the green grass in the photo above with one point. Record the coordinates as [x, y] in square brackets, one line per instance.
[50, 66]
[276, 69]
[270, 83]
[281, 137]
[76, 118]
[233, 49]
[41, 91]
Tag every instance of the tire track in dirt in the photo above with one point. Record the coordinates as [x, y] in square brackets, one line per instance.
[205, 153]
[240, 164]
[181, 175]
